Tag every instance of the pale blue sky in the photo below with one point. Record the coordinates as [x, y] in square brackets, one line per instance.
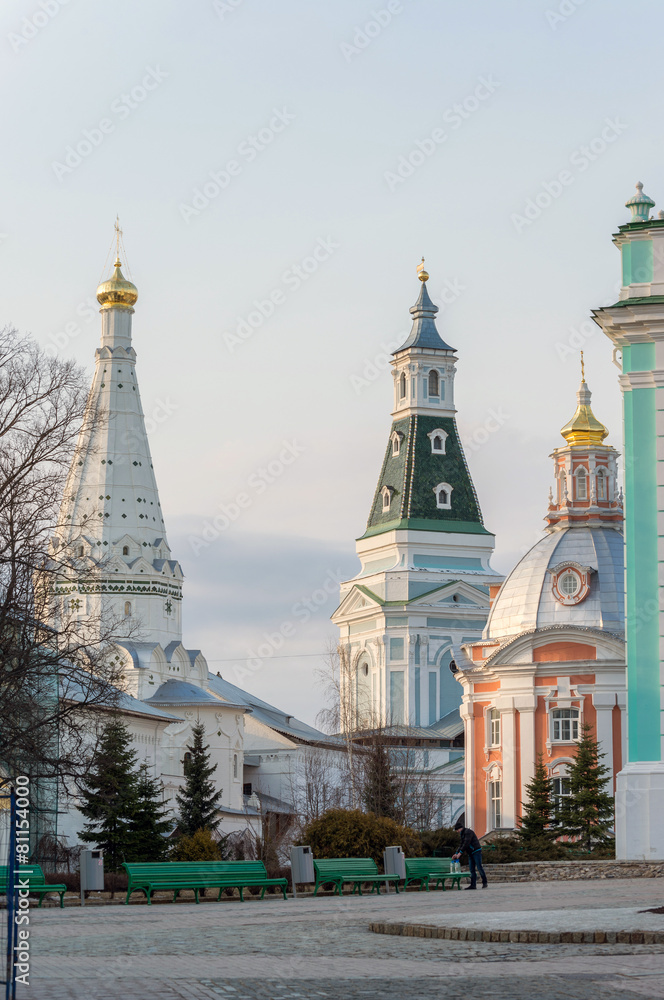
[218, 415]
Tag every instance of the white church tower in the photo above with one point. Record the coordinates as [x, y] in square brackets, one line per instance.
[425, 582]
[111, 533]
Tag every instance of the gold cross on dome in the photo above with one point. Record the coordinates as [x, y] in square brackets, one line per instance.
[583, 371]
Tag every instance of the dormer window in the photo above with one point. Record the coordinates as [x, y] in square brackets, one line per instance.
[125, 550]
[402, 386]
[387, 492]
[396, 442]
[434, 383]
[127, 610]
[443, 494]
[438, 438]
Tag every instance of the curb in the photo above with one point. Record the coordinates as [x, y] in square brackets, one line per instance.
[519, 937]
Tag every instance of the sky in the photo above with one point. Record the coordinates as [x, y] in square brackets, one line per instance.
[279, 170]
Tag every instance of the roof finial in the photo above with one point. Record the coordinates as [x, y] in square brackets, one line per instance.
[583, 370]
[421, 273]
[640, 205]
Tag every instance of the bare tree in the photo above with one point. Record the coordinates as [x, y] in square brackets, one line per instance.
[340, 714]
[57, 656]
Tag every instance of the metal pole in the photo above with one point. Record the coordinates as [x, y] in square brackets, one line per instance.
[10, 984]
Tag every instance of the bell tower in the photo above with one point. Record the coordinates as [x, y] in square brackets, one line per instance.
[425, 581]
[635, 326]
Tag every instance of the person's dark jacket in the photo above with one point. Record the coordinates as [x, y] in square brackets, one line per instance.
[469, 841]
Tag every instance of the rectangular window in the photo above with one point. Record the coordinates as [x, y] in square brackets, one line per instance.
[496, 803]
[494, 727]
[425, 387]
[396, 649]
[396, 714]
[433, 696]
[561, 791]
[565, 725]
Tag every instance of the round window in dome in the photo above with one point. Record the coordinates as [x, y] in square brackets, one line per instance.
[571, 584]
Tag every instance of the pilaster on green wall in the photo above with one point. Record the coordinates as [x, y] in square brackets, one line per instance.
[638, 358]
[641, 562]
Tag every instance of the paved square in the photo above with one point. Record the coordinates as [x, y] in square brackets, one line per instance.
[323, 948]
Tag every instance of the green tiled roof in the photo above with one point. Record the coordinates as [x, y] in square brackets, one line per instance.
[412, 476]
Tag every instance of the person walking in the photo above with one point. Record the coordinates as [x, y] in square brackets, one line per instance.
[471, 846]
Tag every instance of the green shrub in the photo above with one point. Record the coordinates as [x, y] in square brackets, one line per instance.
[442, 843]
[201, 846]
[351, 833]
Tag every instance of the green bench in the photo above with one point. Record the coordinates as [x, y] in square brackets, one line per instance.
[174, 876]
[336, 871]
[427, 870]
[37, 884]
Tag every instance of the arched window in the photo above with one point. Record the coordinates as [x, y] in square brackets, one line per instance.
[387, 497]
[434, 383]
[235, 765]
[443, 494]
[402, 386]
[581, 484]
[396, 442]
[563, 487]
[565, 725]
[125, 550]
[127, 610]
[601, 485]
[561, 790]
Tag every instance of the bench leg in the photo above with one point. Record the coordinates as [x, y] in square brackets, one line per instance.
[41, 900]
[241, 891]
[129, 891]
[148, 893]
[283, 889]
[263, 892]
[396, 886]
[62, 900]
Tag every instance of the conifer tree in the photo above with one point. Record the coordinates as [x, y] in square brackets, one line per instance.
[587, 812]
[109, 795]
[198, 801]
[149, 826]
[538, 809]
[380, 786]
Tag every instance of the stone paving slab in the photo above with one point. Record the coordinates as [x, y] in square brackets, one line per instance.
[272, 949]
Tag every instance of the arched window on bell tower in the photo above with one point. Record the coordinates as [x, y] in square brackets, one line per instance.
[602, 485]
[402, 385]
[434, 383]
[581, 483]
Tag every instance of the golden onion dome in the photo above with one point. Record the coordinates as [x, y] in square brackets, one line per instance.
[584, 428]
[117, 292]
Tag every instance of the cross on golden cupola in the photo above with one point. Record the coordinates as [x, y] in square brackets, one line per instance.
[584, 428]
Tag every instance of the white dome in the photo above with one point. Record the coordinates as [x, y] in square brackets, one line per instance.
[526, 599]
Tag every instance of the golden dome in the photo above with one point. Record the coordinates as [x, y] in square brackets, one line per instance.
[584, 428]
[117, 292]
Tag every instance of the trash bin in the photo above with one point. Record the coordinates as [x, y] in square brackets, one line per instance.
[394, 861]
[302, 865]
[91, 872]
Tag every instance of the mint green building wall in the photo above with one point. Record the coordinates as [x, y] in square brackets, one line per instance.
[641, 560]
